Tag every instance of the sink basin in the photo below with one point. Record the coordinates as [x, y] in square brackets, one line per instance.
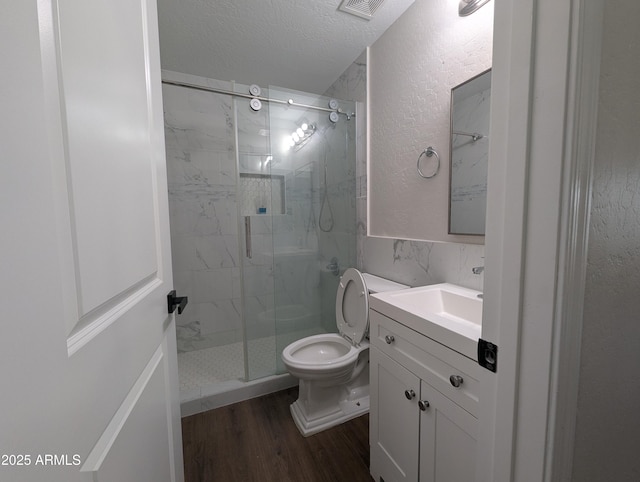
[447, 313]
[447, 300]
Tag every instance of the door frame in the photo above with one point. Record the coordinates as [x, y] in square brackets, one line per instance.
[546, 62]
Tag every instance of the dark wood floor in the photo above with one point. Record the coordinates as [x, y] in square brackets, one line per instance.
[257, 440]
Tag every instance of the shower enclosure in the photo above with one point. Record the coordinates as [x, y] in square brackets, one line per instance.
[262, 206]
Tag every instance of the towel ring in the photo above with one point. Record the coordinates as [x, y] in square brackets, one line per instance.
[429, 152]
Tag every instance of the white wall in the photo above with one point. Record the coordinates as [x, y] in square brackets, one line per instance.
[607, 442]
[413, 67]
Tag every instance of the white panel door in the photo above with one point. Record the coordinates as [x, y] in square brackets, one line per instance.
[87, 347]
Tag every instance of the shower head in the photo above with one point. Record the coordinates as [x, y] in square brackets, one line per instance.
[467, 7]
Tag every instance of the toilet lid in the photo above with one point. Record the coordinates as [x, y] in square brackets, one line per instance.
[352, 306]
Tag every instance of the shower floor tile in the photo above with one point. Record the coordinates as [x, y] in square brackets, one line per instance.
[201, 369]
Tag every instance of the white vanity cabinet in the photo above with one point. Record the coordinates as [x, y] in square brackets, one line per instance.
[423, 428]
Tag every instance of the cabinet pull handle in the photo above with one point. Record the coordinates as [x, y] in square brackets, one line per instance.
[389, 339]
[410, 394]
[456, 380]
[423, 404]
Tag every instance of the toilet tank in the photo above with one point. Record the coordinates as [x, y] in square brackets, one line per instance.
[375, 284]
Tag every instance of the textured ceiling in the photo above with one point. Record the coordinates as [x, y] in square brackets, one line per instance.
[302, 45]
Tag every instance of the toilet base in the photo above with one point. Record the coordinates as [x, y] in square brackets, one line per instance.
[325, 402]
[312, 423]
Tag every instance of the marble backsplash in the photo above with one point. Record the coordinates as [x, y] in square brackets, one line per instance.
[418, 263]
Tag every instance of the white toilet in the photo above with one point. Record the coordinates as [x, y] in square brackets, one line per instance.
[334, 368]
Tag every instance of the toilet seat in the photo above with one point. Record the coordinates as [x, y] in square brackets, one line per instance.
[327, 355]
[352, 306]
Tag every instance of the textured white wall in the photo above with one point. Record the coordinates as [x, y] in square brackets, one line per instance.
[607, 444]
[414, 263]
[413, 67]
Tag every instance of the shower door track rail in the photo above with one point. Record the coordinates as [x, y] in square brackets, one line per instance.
[249, 96]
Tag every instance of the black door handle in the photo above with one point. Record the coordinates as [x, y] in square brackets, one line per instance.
[174, 301]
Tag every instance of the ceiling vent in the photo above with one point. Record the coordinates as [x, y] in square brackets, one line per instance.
[361, 8]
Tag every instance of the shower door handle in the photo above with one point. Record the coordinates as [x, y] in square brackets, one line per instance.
[247, 235]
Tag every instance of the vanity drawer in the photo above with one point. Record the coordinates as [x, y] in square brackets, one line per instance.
[433, 362]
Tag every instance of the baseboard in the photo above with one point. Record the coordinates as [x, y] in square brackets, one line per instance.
[233, 391]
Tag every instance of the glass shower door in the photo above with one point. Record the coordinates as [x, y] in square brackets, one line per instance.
[257, 199]
[296, 216]
[314, 235]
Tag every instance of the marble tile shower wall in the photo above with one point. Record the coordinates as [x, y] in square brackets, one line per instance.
[316, 229]
[295, 257]
[414, 263]
[335, 205]
[201, 166]
[352, 84]
[208, 244]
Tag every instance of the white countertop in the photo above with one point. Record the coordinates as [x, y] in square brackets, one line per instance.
[418, 309]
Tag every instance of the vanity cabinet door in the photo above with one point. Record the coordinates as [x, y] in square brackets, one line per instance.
[394, 420]
[448, 436]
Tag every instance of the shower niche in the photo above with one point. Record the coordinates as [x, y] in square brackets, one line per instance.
[262, 194]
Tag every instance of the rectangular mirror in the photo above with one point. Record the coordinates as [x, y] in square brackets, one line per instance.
[470, 102]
